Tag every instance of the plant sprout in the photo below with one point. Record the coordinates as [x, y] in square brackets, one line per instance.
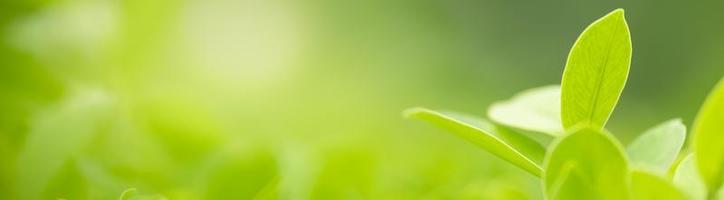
[572, 152]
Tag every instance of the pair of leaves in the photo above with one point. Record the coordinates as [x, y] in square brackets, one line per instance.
[593, 79]
[699, 178]
[586, 164]
[595, 73]
[590, 164]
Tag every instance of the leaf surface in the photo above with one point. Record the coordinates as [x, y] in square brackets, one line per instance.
[657, 148]
[596, 72]
[586, 160]
[648, 186]
[58, 134]
[483, 135]
[708, 134]
[537, 109]
[687, 179]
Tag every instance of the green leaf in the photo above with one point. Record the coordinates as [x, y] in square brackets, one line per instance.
[527, 146]
[586, 164]
[100, 182]
[647, 186]
[241, 175]
[657, 148]
[708, 142]
[596, 72]
[57, 134]
[687, 179]
[537, 109]
[480, 133]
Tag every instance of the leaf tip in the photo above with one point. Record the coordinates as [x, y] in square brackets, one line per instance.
[411, 112]
[618, 11]
[617, 14]
[678, 122]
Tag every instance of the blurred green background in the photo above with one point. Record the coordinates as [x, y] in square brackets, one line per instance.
[275, 99]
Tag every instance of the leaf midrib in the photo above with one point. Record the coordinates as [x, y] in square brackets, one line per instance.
[599, 81]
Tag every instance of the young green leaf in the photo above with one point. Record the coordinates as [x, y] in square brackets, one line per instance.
[647, 186]
[596, 72]
[586, 160]
[537, 109]
[529, 147]
[687, 179]
[657, 148]
[479, 133]
[708, 133]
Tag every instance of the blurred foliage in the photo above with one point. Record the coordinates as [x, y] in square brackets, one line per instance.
[276, 99]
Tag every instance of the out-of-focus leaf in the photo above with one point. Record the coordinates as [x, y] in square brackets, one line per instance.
[537, 109]
[66, 183]
[586, 164]
[687, 179]
[596, 72]
[270, 191]
[345, 161]
[56, 135]
[657, 148]
[708, 133]
[504, 189]
[100, 183]
[133, 194]
[479, 135]
[240, 175]
[647, 186]
[128, 193]
[182, 123]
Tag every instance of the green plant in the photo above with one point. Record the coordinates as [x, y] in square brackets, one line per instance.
[557, 133]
